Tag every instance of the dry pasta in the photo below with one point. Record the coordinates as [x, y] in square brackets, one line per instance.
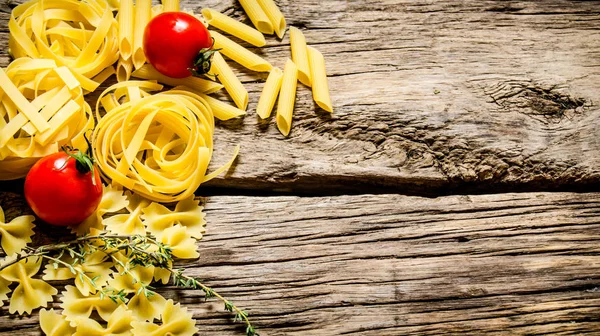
[43, 112]
[233, 27]
[269, 93]
[239, 54]
[287, 97]
[320, 88]
[259, 18]
[158, 146]
[176, 320]
[80, 35]
[142, 16]
[274, 14]
[300, 55]
[16, 233]
[198, 84]
[124, 68]
[170, 5]
[125, 18]
[232, 84]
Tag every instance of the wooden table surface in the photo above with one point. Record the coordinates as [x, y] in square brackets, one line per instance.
[451, 192]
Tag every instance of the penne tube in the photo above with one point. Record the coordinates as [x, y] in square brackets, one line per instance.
[259, 18]
[148, 72]
[269, 93]
[287, 97]
[222, 110]
[239, 54]
[320, 88]
[143, 12]
[124, 68]
[232, 84]
[233, 27]
[300, 55]
[274, 14]
[125, 28]
[157, 9]
[170, 5]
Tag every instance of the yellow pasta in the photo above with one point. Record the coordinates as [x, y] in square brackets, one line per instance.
[198, 84]
[142, 16]
[232, 84]
[239, 54]
[269, 93]
[233, 27]
[258, 17]
[30, 293]
[287, 97]
[126, 23]
[76, 34]
[175, 319]
[119, 323]
[43, 112]
[158, 146]
[320, 88]
[222, 110]
[124, 68]
[16, 233]
[188, 213]
[274, 14]
[300, 55]
[54, 324]
[170, 5]
[157, 9]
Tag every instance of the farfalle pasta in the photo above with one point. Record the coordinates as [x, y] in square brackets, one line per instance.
[15, 234]
[119, 324]
[146, 308]
[95, 266]
[30, 293]
[175, 321]
[131, 223]
[4, 290]
[113, 200]
[187, 212]
[182, 244]
[77, 306]
[54, 324]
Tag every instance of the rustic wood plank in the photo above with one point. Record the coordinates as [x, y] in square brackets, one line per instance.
[429, 97]
[389, 265]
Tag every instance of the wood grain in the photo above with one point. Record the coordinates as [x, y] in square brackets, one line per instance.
[392, 265]
[429, 98]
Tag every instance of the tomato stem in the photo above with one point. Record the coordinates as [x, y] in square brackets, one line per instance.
[84, 161]
[202, 62]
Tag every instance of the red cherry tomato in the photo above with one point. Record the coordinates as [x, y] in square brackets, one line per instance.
[177, 45]
[60, 189]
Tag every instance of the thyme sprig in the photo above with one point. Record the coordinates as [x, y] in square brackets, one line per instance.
[142, 251]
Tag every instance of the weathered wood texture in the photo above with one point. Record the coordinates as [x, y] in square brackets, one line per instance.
[392, 265]
[429, 97]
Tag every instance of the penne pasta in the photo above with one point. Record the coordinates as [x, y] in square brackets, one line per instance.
[259, 18]
[269, 93]
[300, 55]
[233, 27]
[274, 14]
[157, 9]
[222, 110]
[170, 5]
[320, 88]
[125, 20]
[287, 97]
[232, 84]
[239, 54]
[148, 72]
[124, 67]
[143, 12]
